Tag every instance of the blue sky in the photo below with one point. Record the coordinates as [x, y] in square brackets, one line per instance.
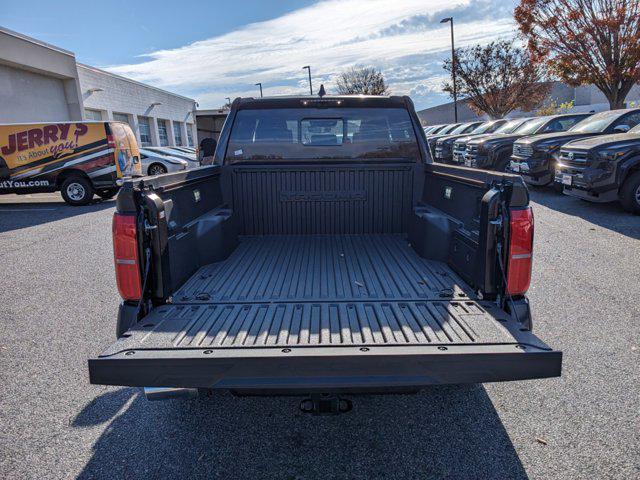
[212, 50]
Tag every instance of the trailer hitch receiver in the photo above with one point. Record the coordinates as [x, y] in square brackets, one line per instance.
[326, 404]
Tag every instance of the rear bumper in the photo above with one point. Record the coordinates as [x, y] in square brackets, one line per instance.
[305, 369]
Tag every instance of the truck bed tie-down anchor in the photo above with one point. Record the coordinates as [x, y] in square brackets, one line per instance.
[326, 404]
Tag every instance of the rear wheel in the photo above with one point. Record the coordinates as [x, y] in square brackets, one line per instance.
[157, 169]
[77, 190]
[630, 193]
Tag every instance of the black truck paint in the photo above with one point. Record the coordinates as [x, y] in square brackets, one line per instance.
[535, 157]
[268, 273]
[603, 169]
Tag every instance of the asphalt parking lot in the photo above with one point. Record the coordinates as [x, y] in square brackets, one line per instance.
[59, 302]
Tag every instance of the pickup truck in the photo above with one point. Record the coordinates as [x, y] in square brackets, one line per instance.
[462, 128]
[535, 157]
[494, 152]
[460, 145]
[324, 253]
[444, 145]
[605, 168]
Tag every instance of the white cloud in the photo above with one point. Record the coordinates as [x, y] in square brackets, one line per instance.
[403, 38]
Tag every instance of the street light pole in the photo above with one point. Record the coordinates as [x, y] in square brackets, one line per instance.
[259, 84]
[453, 69]
[310, 86]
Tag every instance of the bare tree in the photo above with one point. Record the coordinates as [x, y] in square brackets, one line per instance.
[586, 42]
[362, 81]
[497, 78]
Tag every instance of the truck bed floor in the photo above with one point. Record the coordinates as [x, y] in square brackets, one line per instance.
[316, 291]
[322, 268]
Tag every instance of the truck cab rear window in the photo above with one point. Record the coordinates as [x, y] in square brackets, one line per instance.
[322, 134]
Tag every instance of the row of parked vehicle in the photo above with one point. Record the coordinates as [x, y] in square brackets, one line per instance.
[595, 157]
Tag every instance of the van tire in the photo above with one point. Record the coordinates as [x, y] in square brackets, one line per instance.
[77, 190]
[630, 193]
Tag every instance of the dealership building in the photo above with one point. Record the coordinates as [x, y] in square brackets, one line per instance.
[40, 82]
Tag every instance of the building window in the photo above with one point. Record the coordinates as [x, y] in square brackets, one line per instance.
[190, 134]
[162, 133]
[92, 114]
[121, 117]
[177, 133]
[145, 131]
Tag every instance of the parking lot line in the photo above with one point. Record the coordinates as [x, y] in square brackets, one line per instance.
[26, 209]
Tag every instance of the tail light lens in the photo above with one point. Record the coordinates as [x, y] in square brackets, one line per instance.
[520, 251]
[125, 255]
[111, 143]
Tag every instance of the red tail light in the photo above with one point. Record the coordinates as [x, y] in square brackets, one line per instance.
[125, 255]
[520, 251]
[111, 143]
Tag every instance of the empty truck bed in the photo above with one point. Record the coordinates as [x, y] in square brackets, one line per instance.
[328, 311]
[321, 290]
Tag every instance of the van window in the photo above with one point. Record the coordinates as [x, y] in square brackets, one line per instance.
[323, 133]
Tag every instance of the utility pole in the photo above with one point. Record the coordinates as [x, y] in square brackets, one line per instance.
[259, 84]
[308, 67]
[453, 69]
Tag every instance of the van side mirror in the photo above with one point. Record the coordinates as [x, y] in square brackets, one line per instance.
[621, 128]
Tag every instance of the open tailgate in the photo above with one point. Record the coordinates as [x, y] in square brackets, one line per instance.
[304, 346]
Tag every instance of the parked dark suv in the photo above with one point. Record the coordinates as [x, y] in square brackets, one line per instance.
[444, 145]
[603, 169]
[535, 157]
[494, 152]
[460, 145]
[462, 128]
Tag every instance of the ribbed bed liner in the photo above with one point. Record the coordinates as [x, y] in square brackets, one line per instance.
[317, 291]
[322, 268]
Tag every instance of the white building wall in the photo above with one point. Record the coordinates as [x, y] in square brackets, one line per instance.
[38, 81]
[111, 93]
[30, 97]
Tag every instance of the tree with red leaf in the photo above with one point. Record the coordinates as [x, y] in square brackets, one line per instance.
[586, 42]
[497, 78]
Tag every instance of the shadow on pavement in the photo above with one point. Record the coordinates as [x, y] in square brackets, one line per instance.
[103, 408]
[443, 432]
[606, 215]
[14, 216]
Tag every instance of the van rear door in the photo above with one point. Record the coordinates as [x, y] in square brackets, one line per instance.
[125, 150]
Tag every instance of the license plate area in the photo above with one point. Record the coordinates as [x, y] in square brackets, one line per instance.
[567, 179]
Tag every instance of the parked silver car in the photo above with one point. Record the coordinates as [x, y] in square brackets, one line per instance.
[154, 163]
[173, 152]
